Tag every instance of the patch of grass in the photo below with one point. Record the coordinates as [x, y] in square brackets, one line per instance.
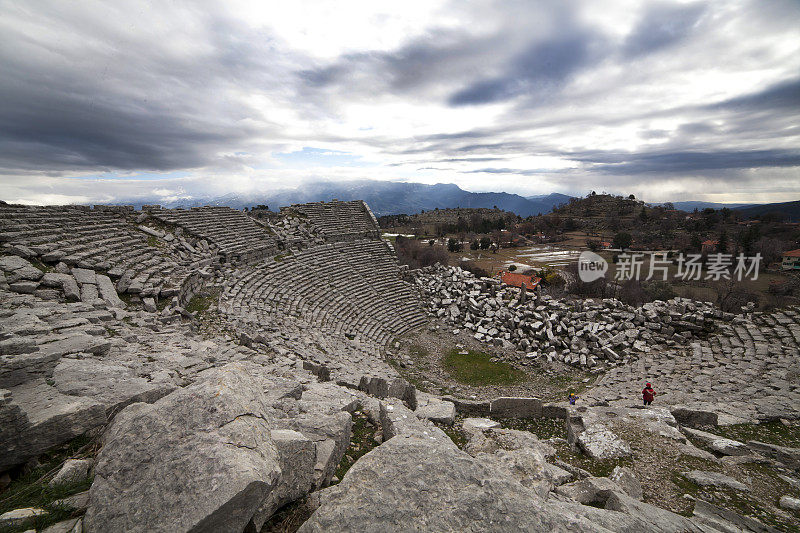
[770, 432]
[476, 368]
[200, 303]
[111, 331]
[162, 303]
[31, 489]
[41, 266]
[281, 257]
[455, 434]
[596, 467]
[153, 241]
[543, 428]
[362, 440]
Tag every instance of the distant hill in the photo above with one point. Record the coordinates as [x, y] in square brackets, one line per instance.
[691, 206]
[791, 209]
[384, 198]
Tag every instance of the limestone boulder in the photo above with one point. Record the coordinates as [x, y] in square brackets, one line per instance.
[37, 417]
[72, 470]
[717, 443]
[415, 483]
[434, 409]
[714, 479]
[626, 479]
[115, 386]
[199, 459]
[297, 455]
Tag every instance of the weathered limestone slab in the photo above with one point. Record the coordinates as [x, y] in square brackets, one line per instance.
[434, 409]
[89, 293]
[115, 386]
[297, 454]
[626, 479]
[694, 417]
[783, 454]
[84, 276]
[72, 470]
[386, 388]
[717, 443]
[17, 517]
[66, 282]
[591, 431]
[470, 424]
[40, 417]
[396, 419]
[589, 491]
[714, 479]
[331, 437]
[108, 292]
[212, 438]
[516, 407]
[381, 492]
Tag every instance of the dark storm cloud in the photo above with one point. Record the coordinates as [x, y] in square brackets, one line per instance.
[687, 162]
[661, 26]
[422, 63]
[779, 97]
[539, 70]
[122, 102]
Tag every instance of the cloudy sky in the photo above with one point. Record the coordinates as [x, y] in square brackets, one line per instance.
[667, 100]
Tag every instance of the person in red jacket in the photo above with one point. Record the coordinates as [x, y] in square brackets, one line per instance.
[648, 394]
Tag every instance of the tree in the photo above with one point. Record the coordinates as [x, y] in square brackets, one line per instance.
[431, 242]
[453, 245]
[669, 206]
[474, 245]
[622, 240]
[631, 197]
[722, 246]
[512, 268]
[695, 244]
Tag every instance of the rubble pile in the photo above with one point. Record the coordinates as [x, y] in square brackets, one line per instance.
[583, 334]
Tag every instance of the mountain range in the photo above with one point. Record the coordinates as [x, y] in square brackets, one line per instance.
[393, 198]
[384, 198]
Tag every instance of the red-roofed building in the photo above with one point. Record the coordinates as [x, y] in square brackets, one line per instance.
[709, 246]
[512, 279]
[791, 260]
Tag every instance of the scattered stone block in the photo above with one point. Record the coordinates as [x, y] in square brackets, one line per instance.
[717, 443]
[714, 479]
[435, 410]
[516, 407]
[72, 470]
[694, 417]
[787, 502]
[17, 517]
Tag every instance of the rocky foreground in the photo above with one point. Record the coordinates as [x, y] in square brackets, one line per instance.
[144, 410]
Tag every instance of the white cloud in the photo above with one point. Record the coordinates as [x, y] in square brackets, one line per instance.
[554, 93]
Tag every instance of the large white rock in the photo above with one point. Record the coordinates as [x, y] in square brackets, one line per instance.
[199, 459]
[36, 417]
[115, 386]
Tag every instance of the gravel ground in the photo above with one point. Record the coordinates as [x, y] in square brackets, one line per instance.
[419, 360]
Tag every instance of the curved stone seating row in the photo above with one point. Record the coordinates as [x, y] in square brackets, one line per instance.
[99, 238]
[351, 289]
[238, 238]
[340, 221]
